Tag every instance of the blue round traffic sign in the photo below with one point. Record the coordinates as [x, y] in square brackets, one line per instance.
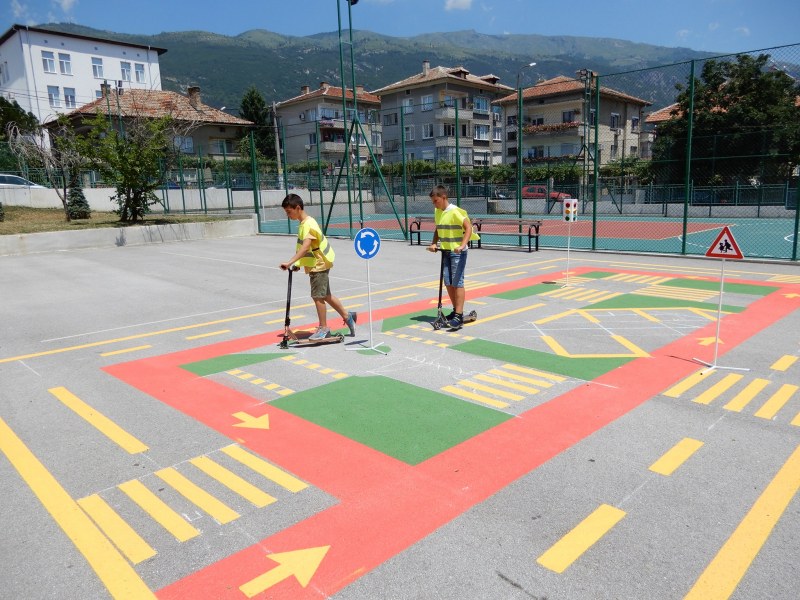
[367, 243]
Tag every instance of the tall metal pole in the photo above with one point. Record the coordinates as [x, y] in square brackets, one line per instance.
[519, 139]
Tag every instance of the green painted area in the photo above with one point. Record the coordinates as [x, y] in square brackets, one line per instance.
[635, 301]
[532, 290]
[579, 368]
[733, 288]
[598, 274]
[401, 420]
[425, 317]
[228, 362]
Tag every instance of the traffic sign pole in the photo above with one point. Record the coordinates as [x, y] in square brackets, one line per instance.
[367, 243]
[724, 246]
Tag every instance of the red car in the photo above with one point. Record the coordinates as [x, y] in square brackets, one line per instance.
[540, 191]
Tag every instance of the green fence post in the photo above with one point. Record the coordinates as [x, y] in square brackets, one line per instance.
[254, 175]
[228, 191]
[688, 173]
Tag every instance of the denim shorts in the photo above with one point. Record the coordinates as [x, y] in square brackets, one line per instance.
[453, 266]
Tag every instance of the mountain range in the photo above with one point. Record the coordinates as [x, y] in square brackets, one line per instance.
[279, 65]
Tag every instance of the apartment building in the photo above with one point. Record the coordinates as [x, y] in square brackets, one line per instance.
[558, 122]
[315, 124]
[50, 73]
[443, 113]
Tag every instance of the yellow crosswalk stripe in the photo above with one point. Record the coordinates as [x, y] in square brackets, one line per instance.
[784, 362]
[509, 384]
[118, 531]
[570, 547]
[233, 482]
[677, 391]
[485, 388]
[271, 472]
[676, 456]
[718, 388]
[776, 401]
[530, 380]
[158, 510]
[743, 398]
[534, 372]
[472, 396]
[198, 496]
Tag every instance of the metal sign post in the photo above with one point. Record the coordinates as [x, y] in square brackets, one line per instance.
[367, 243]
[724, 246]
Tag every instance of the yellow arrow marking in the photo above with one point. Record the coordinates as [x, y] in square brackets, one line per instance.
[707, 341]
[300, 563]
[251, 422]
[792, 295]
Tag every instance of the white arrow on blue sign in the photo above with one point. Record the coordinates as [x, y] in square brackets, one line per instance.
[367, 243]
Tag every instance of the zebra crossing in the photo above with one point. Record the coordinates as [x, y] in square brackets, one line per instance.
[497, 386]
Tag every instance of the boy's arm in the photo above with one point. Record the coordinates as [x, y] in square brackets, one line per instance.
[304, 248]
[433, 247]
[467, 225]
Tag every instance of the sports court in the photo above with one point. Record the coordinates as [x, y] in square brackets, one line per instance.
[156, 442]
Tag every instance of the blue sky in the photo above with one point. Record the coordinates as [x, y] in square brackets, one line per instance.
[711, 25]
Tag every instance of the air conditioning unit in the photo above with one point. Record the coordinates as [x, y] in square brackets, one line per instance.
[302, 116]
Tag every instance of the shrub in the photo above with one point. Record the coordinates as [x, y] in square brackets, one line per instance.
[77, 206]
[2, 213]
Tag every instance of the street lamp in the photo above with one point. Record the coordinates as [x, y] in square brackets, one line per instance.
[519, 138]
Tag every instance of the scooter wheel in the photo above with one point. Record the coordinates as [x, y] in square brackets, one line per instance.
[436, 325]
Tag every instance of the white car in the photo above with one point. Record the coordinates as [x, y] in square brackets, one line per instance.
[15, 181]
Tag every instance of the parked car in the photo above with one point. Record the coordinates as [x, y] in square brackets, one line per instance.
[540, 191]
[15, 181]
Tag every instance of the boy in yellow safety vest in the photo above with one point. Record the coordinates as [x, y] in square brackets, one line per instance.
[314, 253]
[453, 233]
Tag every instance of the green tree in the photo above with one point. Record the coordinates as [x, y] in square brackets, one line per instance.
[77, 206]
[254, 108]
[746, 125]
[131, 155]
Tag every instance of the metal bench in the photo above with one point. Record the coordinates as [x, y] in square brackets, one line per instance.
[508, 227]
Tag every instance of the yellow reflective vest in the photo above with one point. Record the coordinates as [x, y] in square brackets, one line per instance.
[450, 227]
[320, 255]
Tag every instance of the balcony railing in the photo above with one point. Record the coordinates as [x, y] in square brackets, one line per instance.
[550, 127]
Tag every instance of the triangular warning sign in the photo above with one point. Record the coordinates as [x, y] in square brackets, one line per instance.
[724, 246]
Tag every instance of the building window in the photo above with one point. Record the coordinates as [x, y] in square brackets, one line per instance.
[592, 117]
[614, 123]
[125, 68]
[481, 104]
[97, 67]
[408, 105]
[427, 131]
[536, 152]
[312, 138]
[64, 64]
[448, 130]
[69, 97]
[53, 96]
[497, 134]
[221, 146]
[4, 74]
[481, 132]
[614, 151]
[408, 133]
[184, 144]
[139, 69]
[634, 123]
[98, 93]
[511, 120]
[466, 156]
[427, 103]
[448, 100]
[48, 62]
[567, 116]
[634, 151]
[390, 119]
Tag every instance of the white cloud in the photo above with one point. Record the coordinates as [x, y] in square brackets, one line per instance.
[66, 5]
[458, 4]
[743, 31]
[19, 10]
[713, 26]
[682, 34]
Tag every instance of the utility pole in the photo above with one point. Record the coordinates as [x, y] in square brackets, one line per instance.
[277, 145]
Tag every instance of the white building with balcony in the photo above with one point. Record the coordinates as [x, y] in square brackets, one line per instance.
[49, 72]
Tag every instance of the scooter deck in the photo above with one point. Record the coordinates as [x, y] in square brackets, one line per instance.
[292, 341]
[441, 322]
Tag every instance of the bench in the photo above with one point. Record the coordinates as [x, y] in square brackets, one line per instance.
[486, 226]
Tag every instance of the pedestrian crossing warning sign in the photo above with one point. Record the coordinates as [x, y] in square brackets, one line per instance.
[724, 246]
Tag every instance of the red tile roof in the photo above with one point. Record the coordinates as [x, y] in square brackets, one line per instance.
[329, 91]
[157, 103]
[566, 85]
[663, 114]
[437, 74]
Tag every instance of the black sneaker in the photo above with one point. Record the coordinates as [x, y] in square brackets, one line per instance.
[456, 322]
[449, 317]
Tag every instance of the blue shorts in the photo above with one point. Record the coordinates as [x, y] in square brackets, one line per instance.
[453, 265]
